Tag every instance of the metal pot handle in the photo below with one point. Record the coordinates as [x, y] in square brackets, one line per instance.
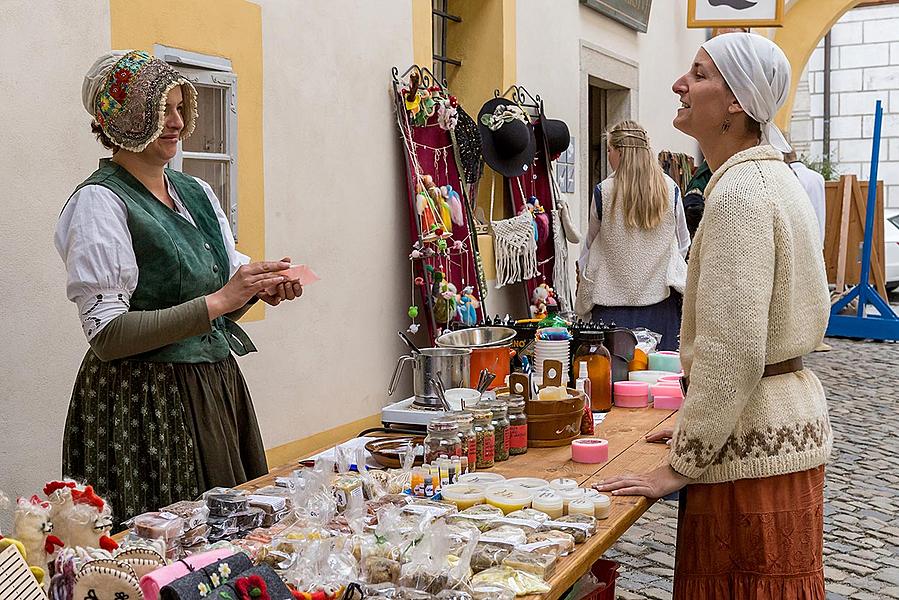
[397, 373]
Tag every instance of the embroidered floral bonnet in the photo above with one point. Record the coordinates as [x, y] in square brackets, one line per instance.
[126, 93]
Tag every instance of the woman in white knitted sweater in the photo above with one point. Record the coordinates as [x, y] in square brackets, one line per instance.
[753, 435]
[632, 271]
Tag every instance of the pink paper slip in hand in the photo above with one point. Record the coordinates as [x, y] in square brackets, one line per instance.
[301, 273]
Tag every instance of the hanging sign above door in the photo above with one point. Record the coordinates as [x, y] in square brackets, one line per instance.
[632, 13]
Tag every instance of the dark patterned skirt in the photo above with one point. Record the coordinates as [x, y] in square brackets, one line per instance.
[663, 318]
[752, 539]
[148, 434]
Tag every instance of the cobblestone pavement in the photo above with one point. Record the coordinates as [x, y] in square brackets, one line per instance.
[861, 523]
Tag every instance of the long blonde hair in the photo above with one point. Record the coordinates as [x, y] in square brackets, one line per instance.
[640, 184]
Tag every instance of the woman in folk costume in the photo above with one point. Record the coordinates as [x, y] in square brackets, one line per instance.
[160, 409]
[632, 270]
[753, 435]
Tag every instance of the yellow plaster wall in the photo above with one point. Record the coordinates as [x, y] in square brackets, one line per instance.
[231, 29]
[485, 42]
[422, 33]
[805, 23]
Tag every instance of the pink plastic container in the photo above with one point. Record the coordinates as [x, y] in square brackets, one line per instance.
[631, 394]
[673, 378]
[667, 395]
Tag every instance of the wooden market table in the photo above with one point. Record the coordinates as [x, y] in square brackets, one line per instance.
[628, 452]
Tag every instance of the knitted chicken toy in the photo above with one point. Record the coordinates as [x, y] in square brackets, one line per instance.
[32, 526]
[88, 520]
[59, 495]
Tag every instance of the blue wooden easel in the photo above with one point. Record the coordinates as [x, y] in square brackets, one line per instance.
[884, 325]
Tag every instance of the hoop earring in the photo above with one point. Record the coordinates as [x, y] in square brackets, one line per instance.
[725, 126]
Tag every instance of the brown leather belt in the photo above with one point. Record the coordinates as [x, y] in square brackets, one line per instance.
[791, 365]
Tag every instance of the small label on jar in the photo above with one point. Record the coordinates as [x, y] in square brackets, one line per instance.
[473, 450]
[518, 437]
[488, 448]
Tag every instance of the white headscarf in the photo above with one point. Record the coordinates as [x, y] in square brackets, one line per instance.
[758, 73]
[95, 76]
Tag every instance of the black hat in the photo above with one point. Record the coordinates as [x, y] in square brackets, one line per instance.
[557, 137]
[510, 149]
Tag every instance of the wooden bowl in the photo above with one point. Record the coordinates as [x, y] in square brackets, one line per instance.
[389, 451]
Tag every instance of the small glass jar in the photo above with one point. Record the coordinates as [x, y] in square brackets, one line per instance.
[465, 421]
[484, 432]
[501, 430]
[518, 426]
[442, 439]
[599, 368]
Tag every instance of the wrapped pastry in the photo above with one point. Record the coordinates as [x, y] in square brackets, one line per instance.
[158, 526]
[454, 595]
[527, 525]
[580, 526]
[505, 534]
[488, 555]
[378, 569]
[520, 583]
[541, 565]
[561, 541]
[482, 510]
[492, 592]
[225, 505]
[529, 514]
[193, 513]
[268, 504]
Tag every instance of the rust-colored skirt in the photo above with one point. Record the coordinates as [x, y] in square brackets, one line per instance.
[752, 539]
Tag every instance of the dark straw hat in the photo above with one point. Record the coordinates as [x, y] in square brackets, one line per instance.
[510, 149]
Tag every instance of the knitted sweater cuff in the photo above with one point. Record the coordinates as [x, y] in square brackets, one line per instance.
[684, 466]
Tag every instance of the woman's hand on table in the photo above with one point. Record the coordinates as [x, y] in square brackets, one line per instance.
[247, 281]
[663, 436]
[288, 290]
[655, 484]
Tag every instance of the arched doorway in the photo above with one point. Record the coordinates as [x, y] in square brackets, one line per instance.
[805, 23]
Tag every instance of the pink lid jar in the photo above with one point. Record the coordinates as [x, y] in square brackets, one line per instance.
[631, 394]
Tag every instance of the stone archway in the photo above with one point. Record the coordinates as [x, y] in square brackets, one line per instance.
[805, 23]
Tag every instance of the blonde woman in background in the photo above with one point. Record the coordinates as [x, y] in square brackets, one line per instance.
[633, 271]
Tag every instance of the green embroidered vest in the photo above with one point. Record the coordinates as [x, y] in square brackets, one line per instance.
[176, 261]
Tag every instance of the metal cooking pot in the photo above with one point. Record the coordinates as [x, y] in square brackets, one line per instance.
[453, 364]
[477, 337]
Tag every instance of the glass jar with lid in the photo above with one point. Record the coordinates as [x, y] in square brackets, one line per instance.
[442, 439]
[501, 431]
[484, 432]
[465, 422]
[599, 368]
[518, 425]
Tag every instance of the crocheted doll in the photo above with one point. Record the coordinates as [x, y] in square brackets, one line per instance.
[89, 521]
[32, 527]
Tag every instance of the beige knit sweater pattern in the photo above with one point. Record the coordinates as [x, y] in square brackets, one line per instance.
[756, 295]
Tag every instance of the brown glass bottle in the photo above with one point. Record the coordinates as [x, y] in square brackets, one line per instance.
[599, 368]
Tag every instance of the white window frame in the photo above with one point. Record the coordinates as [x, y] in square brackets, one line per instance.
[210, 71]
